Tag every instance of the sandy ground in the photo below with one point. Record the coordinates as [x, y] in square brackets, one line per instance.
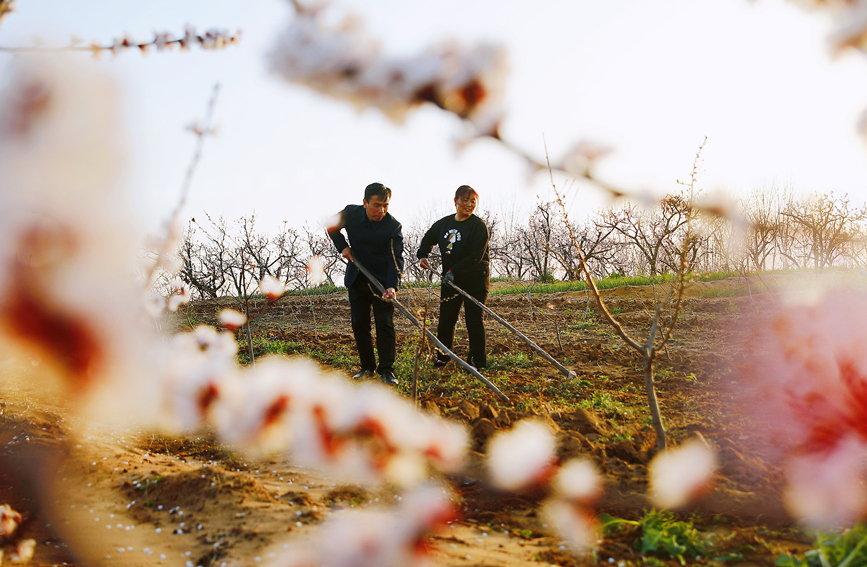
[134, 499]
[123, 499]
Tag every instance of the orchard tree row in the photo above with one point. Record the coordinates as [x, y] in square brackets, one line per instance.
[771, 230]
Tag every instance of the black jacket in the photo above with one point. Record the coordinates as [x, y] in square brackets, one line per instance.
[463, 246]
[377, 245]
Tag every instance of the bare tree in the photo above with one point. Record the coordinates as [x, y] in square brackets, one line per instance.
[536, 238]
[858, 248]
[317, 243]
[507, 258]
[412, 272]
[599, 249]
[763, 213]
[827, 225]
[262, 258]
[656, 233]
[287, 244]
[204, 264]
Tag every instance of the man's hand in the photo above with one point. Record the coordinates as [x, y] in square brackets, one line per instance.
[347, 254]
[449, 277]
[390, 293]
[424, 263]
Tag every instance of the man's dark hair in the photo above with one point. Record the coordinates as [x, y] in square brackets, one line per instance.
[377, 189]
[465, 190]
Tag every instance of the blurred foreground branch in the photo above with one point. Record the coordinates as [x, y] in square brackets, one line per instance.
[210, 39]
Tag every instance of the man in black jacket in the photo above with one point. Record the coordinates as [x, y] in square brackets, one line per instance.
[376, 241]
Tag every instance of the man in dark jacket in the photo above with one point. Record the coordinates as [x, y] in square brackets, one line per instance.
[463, 244]
[376, 241]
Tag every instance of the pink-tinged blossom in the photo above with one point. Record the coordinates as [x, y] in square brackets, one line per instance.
[264, 413]
[385, 427]
[401, 442]
[828, 490]
[333, 223]
[197, 369]
[340, 60]
[523, 457]
[364, 433]
[377, 538]
[271, 288]
[808, 396]
[180, 294]
[682, 474]
[154, 303]
[355, 434]
[67, 238]
[232, 319]
[9, 520]
[444, 444]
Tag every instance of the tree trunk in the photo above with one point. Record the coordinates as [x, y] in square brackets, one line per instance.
[651, 400]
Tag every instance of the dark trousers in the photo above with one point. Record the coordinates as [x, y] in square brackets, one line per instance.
[361, 301]
[450, 306]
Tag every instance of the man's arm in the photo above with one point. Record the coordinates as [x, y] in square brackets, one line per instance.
[428, 241]
[336, 235]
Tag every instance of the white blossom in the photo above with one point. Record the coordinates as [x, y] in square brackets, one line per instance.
[232, 319]
[271, 287]
[68, 239]
[582, 156]
[578, 480]
[523, 456]
[679, 475]
[316, 271]
[340, 60]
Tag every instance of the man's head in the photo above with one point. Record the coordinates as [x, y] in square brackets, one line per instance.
[376, 197]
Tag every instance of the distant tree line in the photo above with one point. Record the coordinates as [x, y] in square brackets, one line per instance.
[773, 230]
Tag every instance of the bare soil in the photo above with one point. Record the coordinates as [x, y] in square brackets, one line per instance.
[135, 499]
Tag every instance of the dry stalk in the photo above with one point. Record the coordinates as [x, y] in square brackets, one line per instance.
[421, 346]
[649, 349]
[201, 132]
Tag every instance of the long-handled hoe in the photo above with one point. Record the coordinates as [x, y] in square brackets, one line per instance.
[431, 336]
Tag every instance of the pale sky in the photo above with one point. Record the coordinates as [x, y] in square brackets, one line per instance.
[650, 80]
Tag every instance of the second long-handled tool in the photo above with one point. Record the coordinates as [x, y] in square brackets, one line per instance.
[540, 350]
